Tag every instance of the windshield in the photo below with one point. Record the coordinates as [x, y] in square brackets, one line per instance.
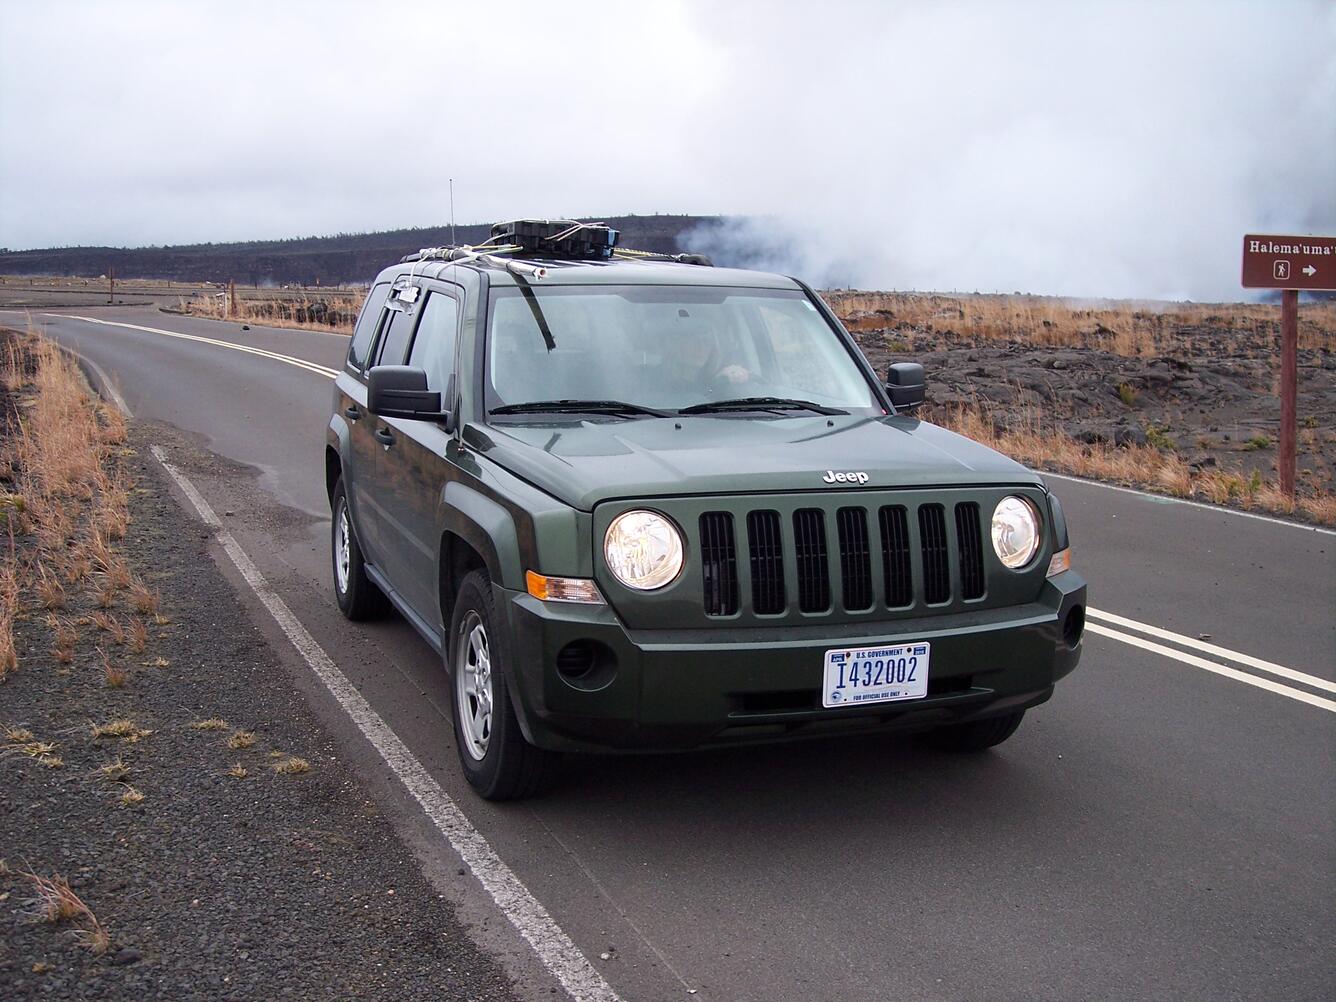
[666, 348]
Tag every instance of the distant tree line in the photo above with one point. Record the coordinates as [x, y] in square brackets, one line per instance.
[345, 258]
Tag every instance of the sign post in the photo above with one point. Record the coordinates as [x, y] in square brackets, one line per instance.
[1291, 264]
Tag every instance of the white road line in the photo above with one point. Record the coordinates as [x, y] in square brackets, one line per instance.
[1220, 652]
[300, 363]
[1191, 504]
[1211, 666]
[554, 948]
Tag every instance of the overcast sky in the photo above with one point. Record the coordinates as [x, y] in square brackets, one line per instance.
[1082, 148]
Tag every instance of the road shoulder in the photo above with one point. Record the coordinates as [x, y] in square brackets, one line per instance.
[257, 863]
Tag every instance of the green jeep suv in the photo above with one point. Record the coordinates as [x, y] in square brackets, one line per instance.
[642, 503]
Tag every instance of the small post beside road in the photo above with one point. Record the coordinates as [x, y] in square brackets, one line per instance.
[1291, 264]
[1289, 388]
[111, 286]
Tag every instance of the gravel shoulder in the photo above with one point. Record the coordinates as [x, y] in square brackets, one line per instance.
[256, 865]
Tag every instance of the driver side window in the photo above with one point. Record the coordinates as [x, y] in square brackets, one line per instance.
[434, 346]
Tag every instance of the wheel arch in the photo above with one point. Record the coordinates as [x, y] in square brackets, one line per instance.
[476, 533]
[333, 470]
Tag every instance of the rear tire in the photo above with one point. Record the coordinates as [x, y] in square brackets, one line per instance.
[357, 596]
[977, 735]
[497, 760]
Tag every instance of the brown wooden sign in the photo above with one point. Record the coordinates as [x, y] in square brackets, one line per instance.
[1304, 263]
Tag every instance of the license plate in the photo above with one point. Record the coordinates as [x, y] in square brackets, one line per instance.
[858, 675]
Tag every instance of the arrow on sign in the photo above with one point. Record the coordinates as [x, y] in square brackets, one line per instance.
[1310, 271]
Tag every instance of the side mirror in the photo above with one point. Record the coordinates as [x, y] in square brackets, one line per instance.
[400, 391]
[905, 386]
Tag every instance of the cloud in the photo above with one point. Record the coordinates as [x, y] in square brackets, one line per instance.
[1088, 149]
[1099, 148]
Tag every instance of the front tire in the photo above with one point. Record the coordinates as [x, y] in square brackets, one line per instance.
[977, 735]
[357, 596]
[497, 760]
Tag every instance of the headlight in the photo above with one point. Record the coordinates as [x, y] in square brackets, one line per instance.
[1015, 531]
[643, 550]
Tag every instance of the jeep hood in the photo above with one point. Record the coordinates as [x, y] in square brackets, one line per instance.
[584, 463]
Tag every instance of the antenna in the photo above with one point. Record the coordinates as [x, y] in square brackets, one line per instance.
[452, 210]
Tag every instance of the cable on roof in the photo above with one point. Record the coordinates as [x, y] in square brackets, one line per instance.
[559, 239]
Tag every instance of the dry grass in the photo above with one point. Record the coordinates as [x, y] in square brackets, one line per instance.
[70, 497]
[1030, 440]
[63, 632]
[291, 765]
[136, 637]
[130, 796]
[114, 771]
[50, 592]
[211, 724]
[1123, 328]
[9, 608]
[55, 902]
[238, 771]
[123, 729]
[335, 313]
[21, 741]
[112, 674]
[76, 569]
[143, 599]
[240, 739]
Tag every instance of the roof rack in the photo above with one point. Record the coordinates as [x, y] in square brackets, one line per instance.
[554, 239]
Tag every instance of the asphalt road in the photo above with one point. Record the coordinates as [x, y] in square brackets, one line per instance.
[1160, 829]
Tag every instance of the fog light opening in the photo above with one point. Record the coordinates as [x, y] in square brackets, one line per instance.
[586, 665]
[1073, 627]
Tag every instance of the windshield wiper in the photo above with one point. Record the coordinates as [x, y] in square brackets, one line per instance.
[759, 404]
[578, 407]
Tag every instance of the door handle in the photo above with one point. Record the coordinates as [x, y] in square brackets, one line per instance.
[384, 437]
[352, 413]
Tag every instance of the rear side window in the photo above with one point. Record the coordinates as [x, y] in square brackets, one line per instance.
[434, 346]
[394, 341]
[366, 325]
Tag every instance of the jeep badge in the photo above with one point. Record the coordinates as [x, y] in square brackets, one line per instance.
[858, 477]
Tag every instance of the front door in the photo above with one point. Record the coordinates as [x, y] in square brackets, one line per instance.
[414, 470]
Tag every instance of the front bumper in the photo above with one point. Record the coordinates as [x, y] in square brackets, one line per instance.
[674, 689]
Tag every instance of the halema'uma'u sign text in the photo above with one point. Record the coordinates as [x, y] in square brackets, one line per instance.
[1304, 263]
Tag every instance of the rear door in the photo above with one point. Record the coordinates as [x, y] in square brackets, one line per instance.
[396, 326]
[413, 471]
[359, 473]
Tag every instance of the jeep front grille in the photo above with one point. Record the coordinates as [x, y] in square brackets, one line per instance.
[895, 555]
[809, 537]
[971, 549]
[855, 559]
[857, 553]
[719, 560]
[767, 562]
[936, 569]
